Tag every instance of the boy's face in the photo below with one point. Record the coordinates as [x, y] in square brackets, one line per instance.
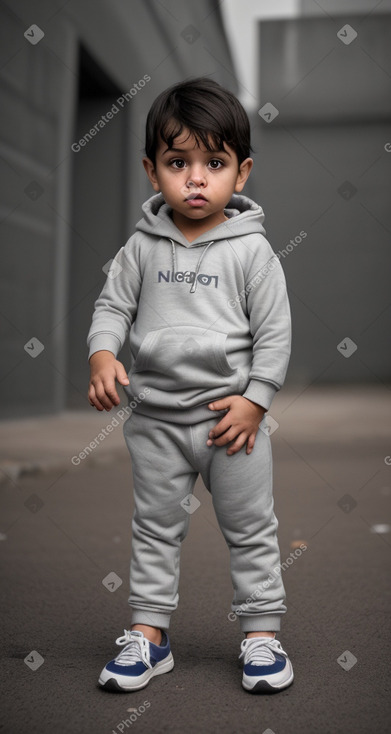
[196, 183]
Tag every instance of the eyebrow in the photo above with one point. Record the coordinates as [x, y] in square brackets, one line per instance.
[182, 150]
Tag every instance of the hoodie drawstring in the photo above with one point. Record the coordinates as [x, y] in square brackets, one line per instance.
[173, 252]
[198, 266]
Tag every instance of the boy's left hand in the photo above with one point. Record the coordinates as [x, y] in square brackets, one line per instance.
[239, 425]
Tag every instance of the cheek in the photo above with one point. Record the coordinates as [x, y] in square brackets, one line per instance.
[168, 177]
[227, 182]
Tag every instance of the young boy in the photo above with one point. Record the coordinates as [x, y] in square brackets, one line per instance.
[203, 299]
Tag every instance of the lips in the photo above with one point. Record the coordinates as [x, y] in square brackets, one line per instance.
[195, 196]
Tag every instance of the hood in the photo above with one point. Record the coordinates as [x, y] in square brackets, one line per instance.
[244, 217]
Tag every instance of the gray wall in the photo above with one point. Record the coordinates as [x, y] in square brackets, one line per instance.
[334, 106]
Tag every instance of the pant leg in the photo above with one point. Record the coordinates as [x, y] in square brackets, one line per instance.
[242, 491]
[162, 478]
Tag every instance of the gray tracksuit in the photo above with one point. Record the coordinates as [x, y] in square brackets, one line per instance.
[205, 320]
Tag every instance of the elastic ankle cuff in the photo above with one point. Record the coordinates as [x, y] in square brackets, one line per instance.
[260, 622]
[153, 619]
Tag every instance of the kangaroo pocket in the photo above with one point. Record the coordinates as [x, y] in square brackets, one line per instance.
[184, 358]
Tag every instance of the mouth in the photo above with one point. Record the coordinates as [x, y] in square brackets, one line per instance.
[191, 197]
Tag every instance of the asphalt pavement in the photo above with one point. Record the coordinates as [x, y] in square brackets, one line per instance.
[65, 534]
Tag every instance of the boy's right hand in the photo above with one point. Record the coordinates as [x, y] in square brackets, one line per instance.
[105, 370]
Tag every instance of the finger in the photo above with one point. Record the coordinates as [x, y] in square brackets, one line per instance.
[111, 392]
[220, 427]
[237, 445]
[226, 437]
[93, 400]
[121, 374]
[222, 404]
[251, 443]
[105, 392]
[97, 404]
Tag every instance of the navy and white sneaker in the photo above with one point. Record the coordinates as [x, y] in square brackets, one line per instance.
[266, 666]
[137, 663]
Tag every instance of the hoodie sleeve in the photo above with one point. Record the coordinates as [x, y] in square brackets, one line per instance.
[270, 326]
[116, 307]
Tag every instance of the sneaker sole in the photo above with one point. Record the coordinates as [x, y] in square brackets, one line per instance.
[117, 685]
[263, 685]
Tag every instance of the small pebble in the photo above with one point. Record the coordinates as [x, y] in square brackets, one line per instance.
[297, 543]
[380, 528]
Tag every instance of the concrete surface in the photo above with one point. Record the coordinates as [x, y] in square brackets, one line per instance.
[65, 527]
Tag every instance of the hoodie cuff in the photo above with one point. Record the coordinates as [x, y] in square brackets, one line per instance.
[106, 341]
[261, 393]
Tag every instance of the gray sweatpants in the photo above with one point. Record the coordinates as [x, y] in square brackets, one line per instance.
[166, 460]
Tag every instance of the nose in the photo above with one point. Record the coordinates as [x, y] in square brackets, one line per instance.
[196, 177]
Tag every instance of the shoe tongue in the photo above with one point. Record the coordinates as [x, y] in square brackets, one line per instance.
[137, 633]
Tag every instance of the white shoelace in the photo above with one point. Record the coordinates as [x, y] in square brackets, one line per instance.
[260, 650]
[137, 648]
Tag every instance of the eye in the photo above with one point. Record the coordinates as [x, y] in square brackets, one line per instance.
[215, 164]
[178, 163]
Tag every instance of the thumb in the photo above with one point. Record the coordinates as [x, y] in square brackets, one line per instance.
[222, 404]
[121, 375]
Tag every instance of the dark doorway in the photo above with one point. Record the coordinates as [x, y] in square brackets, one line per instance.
[98, 209]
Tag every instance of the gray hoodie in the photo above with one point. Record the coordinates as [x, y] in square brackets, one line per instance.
[205, 319]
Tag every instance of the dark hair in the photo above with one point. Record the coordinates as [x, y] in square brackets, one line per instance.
[209, 111]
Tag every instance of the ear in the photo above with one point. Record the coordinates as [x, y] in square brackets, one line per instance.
[244, 172]
[151, 173]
